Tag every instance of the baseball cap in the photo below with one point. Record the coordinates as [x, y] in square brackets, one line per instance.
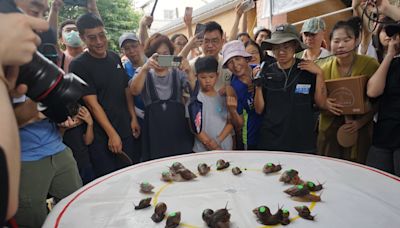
[127, 36]
[313, 25]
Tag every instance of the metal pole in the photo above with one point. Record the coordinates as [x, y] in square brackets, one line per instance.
[270, 13]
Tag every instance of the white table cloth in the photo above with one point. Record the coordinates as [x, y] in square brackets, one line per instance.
[353, 196]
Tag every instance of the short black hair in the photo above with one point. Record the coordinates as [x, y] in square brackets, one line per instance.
[63, 24]
[88, 21]
[262, 30]
[212, 26]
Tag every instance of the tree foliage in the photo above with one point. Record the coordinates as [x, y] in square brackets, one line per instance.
[118, 17]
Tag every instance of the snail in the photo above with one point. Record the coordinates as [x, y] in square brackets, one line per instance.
[265, 217]
[236, 171]
[285, 217]
[173, 220]
[221, 164]
[290, 177]
[145, 187]
[298, 190]
[304, 212]
[176, 167]
[271, 168]
[217, 219]
[203, 169]
[301, 193]
[144, 203]
[187, 174]
[166, 176]
[159, 212]
[312, 187]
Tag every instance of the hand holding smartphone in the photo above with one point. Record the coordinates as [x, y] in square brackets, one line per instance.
[188, 12]
[248, 5]
[200, 28]
[169, 60]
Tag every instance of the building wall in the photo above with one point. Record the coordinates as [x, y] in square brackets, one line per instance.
[225, 19]
[298, 15]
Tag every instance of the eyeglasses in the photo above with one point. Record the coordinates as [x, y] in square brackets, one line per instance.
[94, 37]
[214, 41]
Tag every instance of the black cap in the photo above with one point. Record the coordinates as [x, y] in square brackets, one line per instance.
[392, 29]
[206, 64]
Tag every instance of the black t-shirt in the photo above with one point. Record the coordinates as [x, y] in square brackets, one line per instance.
[387, 129]
[3, 188]
[73, 138]
[107, 79]
[288, 121]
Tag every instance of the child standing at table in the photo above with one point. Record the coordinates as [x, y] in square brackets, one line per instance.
[216, 133]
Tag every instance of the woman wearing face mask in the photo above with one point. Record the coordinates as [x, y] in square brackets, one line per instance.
[346, 63]
[69, 37]
[166, 130]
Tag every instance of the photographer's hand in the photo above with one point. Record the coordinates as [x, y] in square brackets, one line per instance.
[18, 41]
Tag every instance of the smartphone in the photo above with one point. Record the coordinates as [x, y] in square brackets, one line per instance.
[169, 60]
[200, 28]
[188, 12]
[248, 5]
[82, 3]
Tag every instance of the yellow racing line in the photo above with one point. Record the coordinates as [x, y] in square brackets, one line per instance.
[155, 201]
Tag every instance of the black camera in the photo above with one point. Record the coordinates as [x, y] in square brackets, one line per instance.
[259, 78]
[392, 29]
[58, 93]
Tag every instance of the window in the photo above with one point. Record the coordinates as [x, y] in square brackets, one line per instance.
[168, 14]
[283, 6]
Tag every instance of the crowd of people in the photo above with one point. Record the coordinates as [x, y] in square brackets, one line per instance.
[242, 92]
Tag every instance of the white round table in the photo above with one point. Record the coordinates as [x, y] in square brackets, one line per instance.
[353, 196]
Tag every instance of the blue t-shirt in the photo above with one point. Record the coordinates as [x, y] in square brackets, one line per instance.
[252, 120]
[39, 140]
[131, 72]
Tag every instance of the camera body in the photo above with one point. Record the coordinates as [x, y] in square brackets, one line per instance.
[169, 60]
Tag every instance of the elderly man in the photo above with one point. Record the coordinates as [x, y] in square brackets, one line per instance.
[313, 32]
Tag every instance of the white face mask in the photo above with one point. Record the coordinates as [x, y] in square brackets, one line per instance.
[72, 39]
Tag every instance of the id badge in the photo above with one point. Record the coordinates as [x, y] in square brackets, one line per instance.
[303, 88]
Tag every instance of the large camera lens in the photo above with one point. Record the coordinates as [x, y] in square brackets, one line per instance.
[46, 82]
